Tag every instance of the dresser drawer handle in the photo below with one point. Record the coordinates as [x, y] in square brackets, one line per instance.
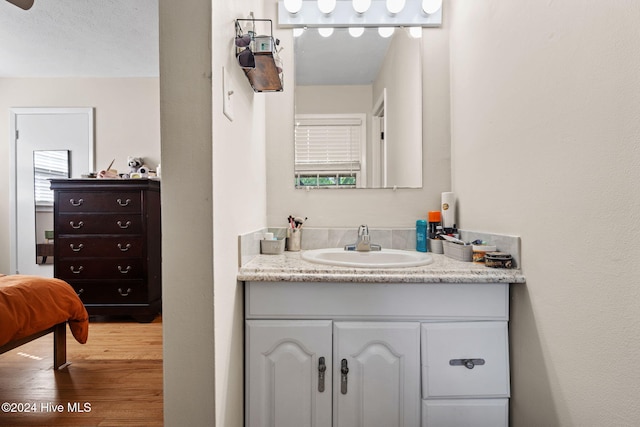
[124, 270]
[125, 225]
[76, 203]
[125, 203]
[76, 249]
[76, 226]
[125, 248]
[80, 291]
[124, 293]
[467, 363]
[74, 271]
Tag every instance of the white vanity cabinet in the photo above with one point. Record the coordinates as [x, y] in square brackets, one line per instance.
[376, 354]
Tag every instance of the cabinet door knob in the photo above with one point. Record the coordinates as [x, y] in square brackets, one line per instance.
[467, 363]
[75, 202]
[124, 248]
[125, 203]
[125, 225]
[322, 368]
[344, 370]
[76, 226]
[76, 248]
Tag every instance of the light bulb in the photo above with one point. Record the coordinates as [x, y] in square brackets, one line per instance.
[361, 6]
[395, 6]
[325, 31]
[293, 6]
[415, 32]
[326, 6]
[385, 31]
[431, 6]
[356, 31]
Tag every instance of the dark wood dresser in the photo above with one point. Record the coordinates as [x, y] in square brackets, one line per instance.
[107, 244]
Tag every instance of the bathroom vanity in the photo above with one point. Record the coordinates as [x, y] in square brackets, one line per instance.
[339, 346]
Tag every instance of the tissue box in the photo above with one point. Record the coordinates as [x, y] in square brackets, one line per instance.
[458, 251]
[272, 247]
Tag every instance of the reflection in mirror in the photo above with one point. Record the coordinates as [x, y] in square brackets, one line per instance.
[47, 164]
[358, 106]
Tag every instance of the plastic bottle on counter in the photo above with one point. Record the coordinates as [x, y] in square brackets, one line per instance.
[421, 235]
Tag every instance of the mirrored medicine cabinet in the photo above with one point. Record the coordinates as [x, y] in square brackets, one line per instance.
[358, 110]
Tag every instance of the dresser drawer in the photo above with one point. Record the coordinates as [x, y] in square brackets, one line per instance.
[465, 359]
[87, 223]
[87, 201]
[121, 292]
[104, 269]
[108, 247]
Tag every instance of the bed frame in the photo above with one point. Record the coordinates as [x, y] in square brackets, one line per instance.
[59, 343]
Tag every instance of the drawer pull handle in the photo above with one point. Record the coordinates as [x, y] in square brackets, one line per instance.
[76, 249]
[322, 368]
[80, 291]
[467, 363]
[125, 225]
[344, 370]
[124, 270]
[124, 248]
[76, 203]
[78, 271]
[124, 293]
[76, 226]
[125, 203]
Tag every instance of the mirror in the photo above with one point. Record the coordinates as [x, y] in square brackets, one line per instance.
[358, 107]
[47, 164]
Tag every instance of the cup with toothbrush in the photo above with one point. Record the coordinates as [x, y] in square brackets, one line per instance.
[294, 233]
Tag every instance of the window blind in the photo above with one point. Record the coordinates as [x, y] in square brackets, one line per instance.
[47, 165]
[326, 143]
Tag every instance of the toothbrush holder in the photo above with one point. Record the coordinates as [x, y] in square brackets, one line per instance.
[294, 237]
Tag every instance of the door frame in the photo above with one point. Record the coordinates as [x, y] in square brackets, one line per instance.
[13, 187]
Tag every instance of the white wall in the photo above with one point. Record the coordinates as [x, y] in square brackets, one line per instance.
[375, 207]
[127, 115]
[545, 105]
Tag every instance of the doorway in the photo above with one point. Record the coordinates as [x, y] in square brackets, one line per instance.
[35, 130]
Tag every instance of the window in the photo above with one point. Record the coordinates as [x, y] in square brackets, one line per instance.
[329, 150]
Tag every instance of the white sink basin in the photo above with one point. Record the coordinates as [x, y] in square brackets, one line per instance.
[386, 258]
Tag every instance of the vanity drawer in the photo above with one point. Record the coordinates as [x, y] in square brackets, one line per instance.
[87, 201]
[109, 247]
[465, 413]
[100, 268]
[464, 359]
[86, 223]
[120, 292]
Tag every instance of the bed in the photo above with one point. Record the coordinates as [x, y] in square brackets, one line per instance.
[33, 306]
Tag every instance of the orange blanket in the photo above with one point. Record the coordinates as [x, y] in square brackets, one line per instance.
[30, 304]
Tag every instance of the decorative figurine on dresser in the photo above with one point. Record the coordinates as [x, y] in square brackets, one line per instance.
[107, 244]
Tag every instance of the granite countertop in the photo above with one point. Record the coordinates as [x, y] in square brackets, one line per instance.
[290, 267]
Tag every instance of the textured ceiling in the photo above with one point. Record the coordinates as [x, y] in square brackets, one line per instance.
[79, 38]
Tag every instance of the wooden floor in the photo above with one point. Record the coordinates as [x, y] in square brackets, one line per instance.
[115, 379]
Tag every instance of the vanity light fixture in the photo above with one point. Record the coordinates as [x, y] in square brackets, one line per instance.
[431, 6]
[293, 6]
[297, 32]
[356, 31]
[361, 6]
[326, 6]
[395, 6]
[386, 31]
[359, 13]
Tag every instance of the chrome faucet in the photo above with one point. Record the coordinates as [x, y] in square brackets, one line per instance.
[363, 244]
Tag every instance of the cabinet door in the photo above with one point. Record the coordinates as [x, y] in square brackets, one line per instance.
[382, 386]
[283, 373]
